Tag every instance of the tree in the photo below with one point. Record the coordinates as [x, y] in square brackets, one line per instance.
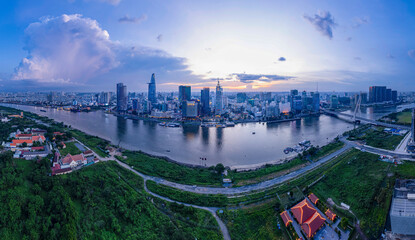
[219, 168]
[344, 222]
[24, 144]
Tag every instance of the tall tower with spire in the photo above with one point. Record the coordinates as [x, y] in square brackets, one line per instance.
[219, 100]
[152, 89]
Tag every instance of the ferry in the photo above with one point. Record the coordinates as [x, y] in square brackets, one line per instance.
[163, 124]
[42, 110]
[174, 125]
[305, 143]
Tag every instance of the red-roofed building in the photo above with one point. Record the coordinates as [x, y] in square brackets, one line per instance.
[286, 218]
[38, 138]
[72, 161]
[330, 215]
[303, 211]
[313, 224]
[24, 136]
[17, 142]
[313, 198]
[41, 148]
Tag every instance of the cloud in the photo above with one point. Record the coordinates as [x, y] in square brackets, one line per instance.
[390, 56]
[349, 39]
[68, 48]
[249, 78]
[128, 19]
[208, 49]
[357, 58]
[411, 54]
[323, 22]
[160, 37]
[359, 21]
[282, 59]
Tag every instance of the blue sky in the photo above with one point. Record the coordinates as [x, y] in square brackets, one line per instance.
[90, 45]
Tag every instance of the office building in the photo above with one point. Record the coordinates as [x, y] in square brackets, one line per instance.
[377, 94]
[204, 101]
[152, 90]
[394, 96]
[189, 109]
[185, 93]
[219, 100]
[334, 101]
[135, 106]
[316, 102]
[363, 97]
[122, 98]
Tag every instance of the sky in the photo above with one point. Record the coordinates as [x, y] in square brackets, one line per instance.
[90, 45]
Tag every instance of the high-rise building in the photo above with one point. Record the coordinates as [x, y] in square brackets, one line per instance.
[413, 125]
[104, 98]
[219, 100]
[394, 97]
[185, 93]
[240, 97]
[334, 101]
[377, 94]
[388, 96]
[152, 89]
[50, 97]
[316, 102]
[135, 104]
[363, 96]
[204, 101]
[189, 109]
[121, 97]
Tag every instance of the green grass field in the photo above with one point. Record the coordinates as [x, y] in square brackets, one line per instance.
[361, 182]
[71, 148]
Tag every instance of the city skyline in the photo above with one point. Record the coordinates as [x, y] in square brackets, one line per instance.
[256, 48]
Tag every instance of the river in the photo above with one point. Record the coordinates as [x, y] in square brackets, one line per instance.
[233, 146]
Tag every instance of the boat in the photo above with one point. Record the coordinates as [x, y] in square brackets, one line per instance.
[174, 125]
[288, 150]
[163, 124]
[305, 143]
[42, 110]
[230, 124]
[220, 125]
[253, 132]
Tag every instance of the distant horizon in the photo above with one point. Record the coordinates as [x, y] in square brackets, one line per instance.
[274, 46]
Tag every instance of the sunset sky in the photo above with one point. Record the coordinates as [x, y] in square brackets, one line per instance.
[90, 45]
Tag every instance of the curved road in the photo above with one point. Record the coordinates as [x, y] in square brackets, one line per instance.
[242, 189]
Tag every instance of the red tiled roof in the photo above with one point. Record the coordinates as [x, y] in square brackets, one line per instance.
[313, 198]
[38, 148]
[303, 211]
[313, 224]
[286, 218]
[88, 152]
[330, 215]
[37, 138]
[23, 135]
[69, 158]
[20, 141]
[62, 170]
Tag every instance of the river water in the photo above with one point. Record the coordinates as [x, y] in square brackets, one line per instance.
[233, 146]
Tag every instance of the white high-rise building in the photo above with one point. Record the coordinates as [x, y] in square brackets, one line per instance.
[219, 100]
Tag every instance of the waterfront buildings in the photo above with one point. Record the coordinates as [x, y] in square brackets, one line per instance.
[185, 93]
[122, 98]
[379, 94]
[152, 90]
[219, 100]
[190, 109]
[204, 101]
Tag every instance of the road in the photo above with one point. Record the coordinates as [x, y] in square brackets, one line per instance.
[243, 189]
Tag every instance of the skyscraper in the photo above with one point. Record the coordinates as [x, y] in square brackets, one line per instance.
[219, 100]
[316, 102]
[121, 97]
[204, 100]
[184, 93]
[152, 89]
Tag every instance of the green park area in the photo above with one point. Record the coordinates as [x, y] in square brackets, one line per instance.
[103, 201]
[375, 137]
[70, 148]
[401, 118]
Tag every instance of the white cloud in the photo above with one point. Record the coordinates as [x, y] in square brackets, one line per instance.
[411, 54]
[68, 48]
